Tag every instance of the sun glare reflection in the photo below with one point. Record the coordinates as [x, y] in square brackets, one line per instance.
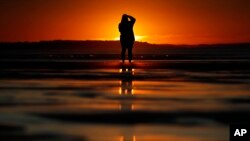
[122, 138]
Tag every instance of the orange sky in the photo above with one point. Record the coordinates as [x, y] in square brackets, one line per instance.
[158, 21]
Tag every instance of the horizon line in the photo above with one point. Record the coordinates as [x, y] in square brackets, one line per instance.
[92, 40]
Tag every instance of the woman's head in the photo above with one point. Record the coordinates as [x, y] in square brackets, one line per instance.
[124, 18]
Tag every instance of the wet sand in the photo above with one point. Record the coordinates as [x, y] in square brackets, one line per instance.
[99, 100]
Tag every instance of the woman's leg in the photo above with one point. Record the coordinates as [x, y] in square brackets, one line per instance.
[130, 55]
[123, 53]
[130, 48]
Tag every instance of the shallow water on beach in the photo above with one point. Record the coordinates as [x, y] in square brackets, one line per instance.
[123, 104]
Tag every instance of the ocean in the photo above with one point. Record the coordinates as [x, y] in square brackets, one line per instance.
[106, 100]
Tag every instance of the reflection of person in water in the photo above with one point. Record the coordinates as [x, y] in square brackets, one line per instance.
[126, 89]
[126, 104]
[127, 37]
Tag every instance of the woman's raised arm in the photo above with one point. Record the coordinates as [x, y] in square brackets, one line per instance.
[132, 19]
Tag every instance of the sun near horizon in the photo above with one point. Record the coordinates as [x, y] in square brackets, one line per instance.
[158, 21]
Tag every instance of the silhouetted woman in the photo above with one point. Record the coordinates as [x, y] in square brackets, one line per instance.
[127, 37]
